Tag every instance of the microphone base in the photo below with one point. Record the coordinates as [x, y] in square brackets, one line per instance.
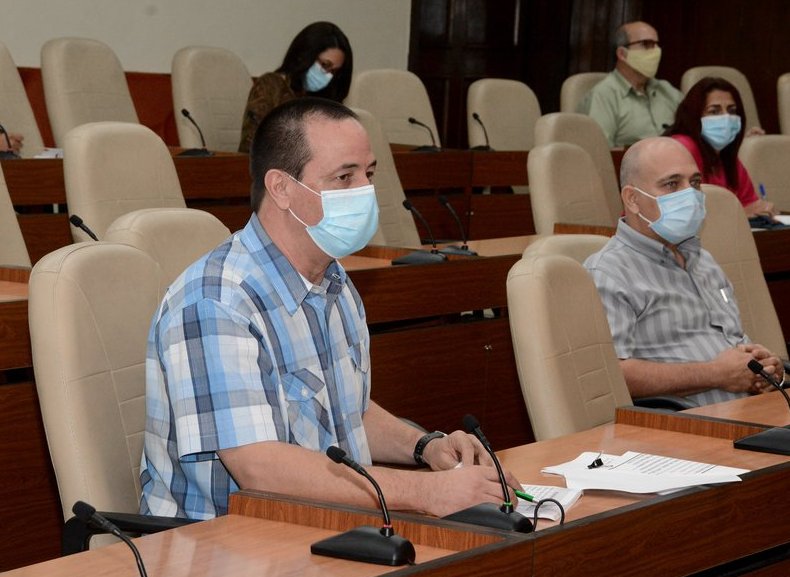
[490, 515]
[482, 148]
[776, 440]
[460, 250]
[196, 152]
[427, 148]
[420, 257]
[368, 545]
[8, 155]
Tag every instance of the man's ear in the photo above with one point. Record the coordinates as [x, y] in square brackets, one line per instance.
[628, 194]
[276, 184]
[621, 53]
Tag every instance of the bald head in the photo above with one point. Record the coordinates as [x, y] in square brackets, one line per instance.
[654, 151]
[634, 32]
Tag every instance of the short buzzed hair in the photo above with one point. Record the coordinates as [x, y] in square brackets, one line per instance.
[621, 36]
[280, 141]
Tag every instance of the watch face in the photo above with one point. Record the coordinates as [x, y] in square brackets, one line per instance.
[422, 443]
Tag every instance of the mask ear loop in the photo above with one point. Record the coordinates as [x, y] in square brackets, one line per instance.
[299, 182]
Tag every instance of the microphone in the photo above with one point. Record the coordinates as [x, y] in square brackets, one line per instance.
[78, 222]
[202, 152]
[88, 515]
[487, 145]
[757, 368]
[432, 147]
[420, 256]
[488, 514]
[464, 248]
[7, 154]
[367, 544]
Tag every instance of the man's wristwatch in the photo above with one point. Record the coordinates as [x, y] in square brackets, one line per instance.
[422, 443]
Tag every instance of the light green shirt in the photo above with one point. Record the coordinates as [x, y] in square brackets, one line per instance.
[627, 116]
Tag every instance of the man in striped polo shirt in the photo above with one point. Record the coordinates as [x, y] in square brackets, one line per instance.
[672, 312]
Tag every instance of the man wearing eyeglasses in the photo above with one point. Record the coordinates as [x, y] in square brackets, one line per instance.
[630, 103]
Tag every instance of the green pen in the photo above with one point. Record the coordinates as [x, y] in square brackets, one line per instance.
[523, 495]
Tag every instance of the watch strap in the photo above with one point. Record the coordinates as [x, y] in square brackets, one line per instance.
[419, 448]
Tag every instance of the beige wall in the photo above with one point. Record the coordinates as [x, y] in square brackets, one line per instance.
[146, 33]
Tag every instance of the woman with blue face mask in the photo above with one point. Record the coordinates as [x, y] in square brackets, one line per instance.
[319, 62]
[709, 123]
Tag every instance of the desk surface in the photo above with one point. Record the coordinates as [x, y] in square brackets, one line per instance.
[769, 410]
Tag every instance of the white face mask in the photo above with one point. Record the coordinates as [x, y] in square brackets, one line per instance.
[644, 61]
[351, 217]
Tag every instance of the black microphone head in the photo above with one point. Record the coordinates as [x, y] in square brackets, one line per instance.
[443, 200]
[185, 112]
[83, 511]
[470, 423]
[412, 120]
[76, 221]
[755, 367]
[336, 454]
[407, 204]
[476, 116]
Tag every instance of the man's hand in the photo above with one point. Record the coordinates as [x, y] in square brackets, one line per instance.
[15, 140]
[732, 370]
[772, 364]
[457, 447]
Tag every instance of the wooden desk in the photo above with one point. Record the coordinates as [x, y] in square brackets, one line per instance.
[677, 534]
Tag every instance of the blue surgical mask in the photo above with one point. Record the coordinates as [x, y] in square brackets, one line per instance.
[721, 129]
[682, 213]
[316, 78]
[351, 217]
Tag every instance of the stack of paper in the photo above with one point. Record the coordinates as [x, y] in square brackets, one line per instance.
[566, 497]
[641, 473]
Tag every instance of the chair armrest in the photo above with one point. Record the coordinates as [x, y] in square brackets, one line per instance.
[666, 402]
[77, 534]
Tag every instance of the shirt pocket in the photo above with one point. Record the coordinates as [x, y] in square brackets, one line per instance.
[307, 404]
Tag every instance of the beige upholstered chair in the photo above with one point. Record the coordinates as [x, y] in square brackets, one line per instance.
[576, 246]
[727, 236]
[570, 375]
[575, 88]
[507, 108]
[213, 85]
[565, 188]
[16, 114]
[583, 131]
[767, 158]
[13, 251]
[783, 102]
[733, 75]
[83, 82]
[396, 224]
[111, 168]
[392, 96]
[173, 237]
[90, 310]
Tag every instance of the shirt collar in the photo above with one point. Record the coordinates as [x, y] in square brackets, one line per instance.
[287, 281]
[656, 250]
[627, 88]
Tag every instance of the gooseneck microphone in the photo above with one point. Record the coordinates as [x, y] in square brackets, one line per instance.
[420, 256]
[487, 145]
[368, 544]
[88, 515]
[757, 368]
[488, 514]
[7, 154]
[78, 222]
[201, 152]
[432, 147]
[464, 248]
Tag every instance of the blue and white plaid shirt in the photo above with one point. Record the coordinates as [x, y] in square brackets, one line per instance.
[242, 351]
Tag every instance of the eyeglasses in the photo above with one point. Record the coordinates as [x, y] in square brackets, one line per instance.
[646, 44]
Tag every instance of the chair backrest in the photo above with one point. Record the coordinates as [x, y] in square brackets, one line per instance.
[83, 82]
[583, 131]
[575, 88]
[570, 375]
[396, 224]
[111, 168]
[767, 158]
[733, 75]
[13, 251]
[575, 246]
[507, 108]
[173, 237]
[727, 236]
[90, 309]
[564, 186]
[783, 102]
[16, 114]
[392, 96]
[213, 85]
